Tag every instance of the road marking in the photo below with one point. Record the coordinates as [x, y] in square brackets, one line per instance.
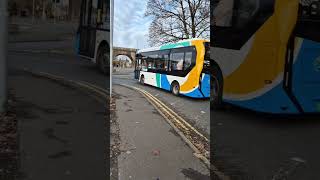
[182, 127]
[164, 110]
[85, 85]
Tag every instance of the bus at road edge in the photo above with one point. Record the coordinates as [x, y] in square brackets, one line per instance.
[181, 67]
[93, 36]
[265, 55]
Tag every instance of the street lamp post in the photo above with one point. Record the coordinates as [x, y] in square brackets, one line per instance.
[3, 54]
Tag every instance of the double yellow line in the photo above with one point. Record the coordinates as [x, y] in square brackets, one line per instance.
[77, 84]
[185, 130]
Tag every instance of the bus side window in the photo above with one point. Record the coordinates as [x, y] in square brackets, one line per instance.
[166, 62]
[308, 25]
[176, 59]
[158, 61]
[234, 22]
[188, 60]
[222, 13]
[143, 63]
[152, 61]
[246, 11]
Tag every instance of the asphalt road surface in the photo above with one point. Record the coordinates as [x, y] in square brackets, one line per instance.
[34, 56]
[65, 158]
[254, 146]
[195, 111]
[61, 130]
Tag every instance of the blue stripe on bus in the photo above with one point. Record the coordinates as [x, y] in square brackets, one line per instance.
[205, 85]
[305, 86]
[165, 83]
[195, 94]
[274, 101]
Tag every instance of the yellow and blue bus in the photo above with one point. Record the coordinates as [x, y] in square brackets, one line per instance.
[265, 55]
[182, 67]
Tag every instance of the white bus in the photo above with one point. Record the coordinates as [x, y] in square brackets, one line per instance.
[181, 67]
[93, 36]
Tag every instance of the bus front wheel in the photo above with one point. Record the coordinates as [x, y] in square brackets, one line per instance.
[175, 88]
[216, 87]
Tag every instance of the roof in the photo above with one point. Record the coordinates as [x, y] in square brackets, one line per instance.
[181, 43]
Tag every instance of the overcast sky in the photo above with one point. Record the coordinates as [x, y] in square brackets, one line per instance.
[130, 24]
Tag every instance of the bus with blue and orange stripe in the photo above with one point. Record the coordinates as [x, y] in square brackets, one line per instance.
[265, 55]
[181, 67]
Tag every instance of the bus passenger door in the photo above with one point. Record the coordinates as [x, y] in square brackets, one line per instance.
[87, 30]
[137, 68]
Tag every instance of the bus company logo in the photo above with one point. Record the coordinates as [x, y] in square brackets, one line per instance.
[316, 64]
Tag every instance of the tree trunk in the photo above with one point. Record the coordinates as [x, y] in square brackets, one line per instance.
[184, 21]
[192, 14]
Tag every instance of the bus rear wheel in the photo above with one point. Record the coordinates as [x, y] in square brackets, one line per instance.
[175, 88]
[216, 87]
[103, 60]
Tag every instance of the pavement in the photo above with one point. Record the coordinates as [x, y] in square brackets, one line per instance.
[61, 130]
[9, 156]
[150, 148]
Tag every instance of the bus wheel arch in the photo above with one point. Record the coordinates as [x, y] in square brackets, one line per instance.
[175, 88]
[216, 86]
[102, 61]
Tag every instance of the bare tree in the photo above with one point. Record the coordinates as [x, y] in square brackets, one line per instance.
[177, 20]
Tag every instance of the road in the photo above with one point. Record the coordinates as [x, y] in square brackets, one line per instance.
[196, 112]
[61, 130]
[58, 144]
[61, 62]
[249, 145]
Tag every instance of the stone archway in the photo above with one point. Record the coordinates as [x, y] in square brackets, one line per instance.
[129, 52]
[123, 61]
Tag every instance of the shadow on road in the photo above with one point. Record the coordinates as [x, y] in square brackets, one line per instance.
[251, 145]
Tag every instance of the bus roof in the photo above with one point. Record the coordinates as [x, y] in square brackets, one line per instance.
[182, 43]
